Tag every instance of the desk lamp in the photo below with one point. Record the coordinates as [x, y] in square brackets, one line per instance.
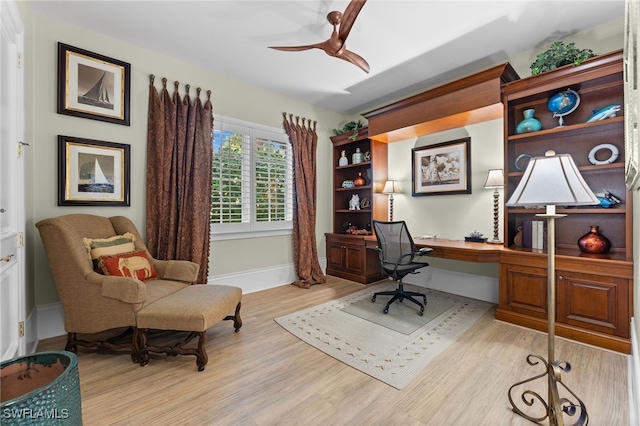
[495, 181]
[391, 187]
[550, 181]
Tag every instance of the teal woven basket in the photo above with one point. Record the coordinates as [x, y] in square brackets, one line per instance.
[41, 389]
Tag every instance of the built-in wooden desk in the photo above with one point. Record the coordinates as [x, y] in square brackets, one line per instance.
[454, 249]
[593, 300]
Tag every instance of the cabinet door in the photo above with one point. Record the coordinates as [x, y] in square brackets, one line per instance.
[354, 258]
[525, 291]
[595, 302]
[335, 255]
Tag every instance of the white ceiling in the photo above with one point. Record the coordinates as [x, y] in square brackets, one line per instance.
[410, 45]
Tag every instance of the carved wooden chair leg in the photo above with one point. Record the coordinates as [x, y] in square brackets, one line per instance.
[237, 321]
[143, 353]
[202, 357]
[135, 350]
[71, 343]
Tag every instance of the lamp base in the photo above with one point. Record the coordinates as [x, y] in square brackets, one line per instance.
[555, 407]
[494, 242]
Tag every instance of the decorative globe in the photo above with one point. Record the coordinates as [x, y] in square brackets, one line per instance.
[563, 103]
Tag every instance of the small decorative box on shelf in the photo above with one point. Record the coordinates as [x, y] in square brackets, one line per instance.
[475, 237]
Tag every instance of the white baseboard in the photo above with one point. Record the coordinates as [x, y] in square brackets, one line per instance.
[634, 377]
[468, 285]
[31, 332]
[261, 279]
[50, 317]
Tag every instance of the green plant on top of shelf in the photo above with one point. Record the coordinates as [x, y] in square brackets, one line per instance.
[558, 55]
[351, 126]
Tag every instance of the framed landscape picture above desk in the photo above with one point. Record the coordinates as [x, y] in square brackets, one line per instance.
[443, 168]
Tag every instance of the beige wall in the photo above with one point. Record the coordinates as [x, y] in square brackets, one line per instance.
[230, 98]
[451, 216]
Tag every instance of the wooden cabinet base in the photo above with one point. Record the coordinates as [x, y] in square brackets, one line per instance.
[353, 277]
[348, 258]
[613, 343]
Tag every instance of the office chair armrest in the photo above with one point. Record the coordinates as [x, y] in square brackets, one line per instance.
[424, 251]
[399, 261]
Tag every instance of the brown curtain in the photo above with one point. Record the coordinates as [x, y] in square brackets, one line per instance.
[304, 141]
[179, 155]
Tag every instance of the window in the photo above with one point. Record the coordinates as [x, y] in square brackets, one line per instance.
[252, 179]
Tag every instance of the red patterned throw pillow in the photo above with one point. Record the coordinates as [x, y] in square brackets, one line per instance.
[134, 264]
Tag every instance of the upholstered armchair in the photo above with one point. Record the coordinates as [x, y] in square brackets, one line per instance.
[94, 302]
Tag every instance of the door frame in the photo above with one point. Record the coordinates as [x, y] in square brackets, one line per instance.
[13, 31]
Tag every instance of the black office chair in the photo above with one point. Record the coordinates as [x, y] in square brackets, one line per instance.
[397, 259]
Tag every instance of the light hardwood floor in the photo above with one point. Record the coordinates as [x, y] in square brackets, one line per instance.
[265, 376]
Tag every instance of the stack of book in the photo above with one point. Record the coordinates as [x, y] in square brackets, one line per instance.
[533, 234]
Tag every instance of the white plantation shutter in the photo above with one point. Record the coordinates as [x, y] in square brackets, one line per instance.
[252, 178]
[273, 178]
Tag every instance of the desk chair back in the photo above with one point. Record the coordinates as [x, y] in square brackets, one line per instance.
[395, 244]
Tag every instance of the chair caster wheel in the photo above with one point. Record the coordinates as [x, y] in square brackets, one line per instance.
[421, 313]
[385, 310]
[373, 299]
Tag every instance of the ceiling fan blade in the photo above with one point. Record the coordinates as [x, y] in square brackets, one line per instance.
[355, 59]
[349, 17]
[297, 48]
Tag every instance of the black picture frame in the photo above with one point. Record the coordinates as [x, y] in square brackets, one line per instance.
[93, 173]
[442, 168]
[93, 86]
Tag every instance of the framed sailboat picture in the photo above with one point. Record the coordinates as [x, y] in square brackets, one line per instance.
[93, 173]
[93, 86]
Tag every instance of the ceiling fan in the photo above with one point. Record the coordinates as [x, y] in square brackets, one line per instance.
[336, 44]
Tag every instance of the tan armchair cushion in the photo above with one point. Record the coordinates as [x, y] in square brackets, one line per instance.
[179, 270]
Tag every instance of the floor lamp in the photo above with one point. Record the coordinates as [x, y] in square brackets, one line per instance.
[550, 181]
[495, 181]
[391, 187]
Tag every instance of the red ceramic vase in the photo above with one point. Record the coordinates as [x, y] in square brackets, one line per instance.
[594, 242]
[359, 181]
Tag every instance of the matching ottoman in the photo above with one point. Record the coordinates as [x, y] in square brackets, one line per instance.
[193, 309]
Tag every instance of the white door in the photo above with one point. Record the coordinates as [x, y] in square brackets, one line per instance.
[12, 215]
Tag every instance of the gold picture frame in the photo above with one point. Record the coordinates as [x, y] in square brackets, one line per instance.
[93, 86]
[93, 173]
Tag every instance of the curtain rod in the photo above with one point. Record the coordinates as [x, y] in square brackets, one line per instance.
[152, 78]
[304, 119]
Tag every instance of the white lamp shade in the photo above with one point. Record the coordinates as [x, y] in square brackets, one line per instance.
[495, 179]
[391, 187]
[552, 180]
